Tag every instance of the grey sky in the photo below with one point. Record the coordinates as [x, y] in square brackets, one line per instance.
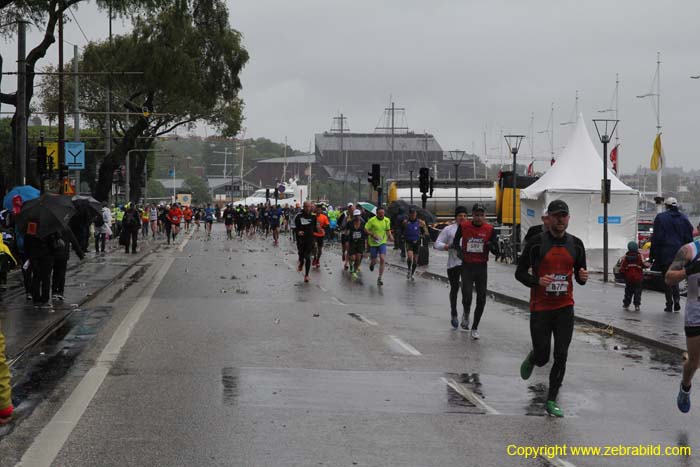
[458, 66]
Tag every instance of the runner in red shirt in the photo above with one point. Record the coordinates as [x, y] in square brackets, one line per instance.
[187, 214]
[175, 217]
[322, 223]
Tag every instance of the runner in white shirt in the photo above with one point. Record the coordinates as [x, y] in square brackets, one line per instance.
[454, 263]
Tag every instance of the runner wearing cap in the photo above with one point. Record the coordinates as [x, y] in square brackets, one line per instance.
[378, 228]
[475, 239]
[555, 257]
[454, 263]
[357, 237]
[412, 229]
[686, 265]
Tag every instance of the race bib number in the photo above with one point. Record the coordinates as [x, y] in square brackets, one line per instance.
[356, 235]
[475, 245]
[560, 286]
[176, 218]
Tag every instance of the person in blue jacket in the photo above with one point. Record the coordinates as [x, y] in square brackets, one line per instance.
[672, 229]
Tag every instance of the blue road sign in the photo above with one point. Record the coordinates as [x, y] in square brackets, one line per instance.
[611, 220]
[75, 155]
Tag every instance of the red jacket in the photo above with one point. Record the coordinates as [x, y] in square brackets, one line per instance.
[475, 241]
[175, 215]
[632, 267]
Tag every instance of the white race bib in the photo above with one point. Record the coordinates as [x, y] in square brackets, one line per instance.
[475, 245]
[356, 235]
[560, 286]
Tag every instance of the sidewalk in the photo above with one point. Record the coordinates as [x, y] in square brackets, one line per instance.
[597, 303]
[24, 326]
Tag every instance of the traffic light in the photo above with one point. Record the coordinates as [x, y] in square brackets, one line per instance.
[375, 177]
[424, 179]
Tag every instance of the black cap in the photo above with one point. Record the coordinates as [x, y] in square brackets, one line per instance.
[557, 206]
[478, 207]
[412, 209]
[460, 210]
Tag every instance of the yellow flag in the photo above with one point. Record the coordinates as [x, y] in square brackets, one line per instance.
[657, 157]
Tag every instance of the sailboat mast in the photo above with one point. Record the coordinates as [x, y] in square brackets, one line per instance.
[617, 117]
[284, 166]
[658, 125]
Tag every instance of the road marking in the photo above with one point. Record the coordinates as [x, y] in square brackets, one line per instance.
[359, 317]
[184, 242]
[467, 393]
[49, 442]
[407, 347]
[338, 301]
[322, 288]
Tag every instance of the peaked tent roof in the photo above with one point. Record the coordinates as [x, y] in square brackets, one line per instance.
[578, 168]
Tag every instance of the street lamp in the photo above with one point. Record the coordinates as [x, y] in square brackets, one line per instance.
[605, 129]
[411, 167]
[453, 155]
[514, 142]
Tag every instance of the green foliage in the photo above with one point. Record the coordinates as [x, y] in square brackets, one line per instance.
[198, 188]
[156, 189]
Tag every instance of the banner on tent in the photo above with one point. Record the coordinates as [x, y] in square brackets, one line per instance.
[611, 219]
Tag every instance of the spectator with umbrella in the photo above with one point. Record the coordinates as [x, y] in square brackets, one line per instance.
[61, 255]
[87, 207]
[102, 228]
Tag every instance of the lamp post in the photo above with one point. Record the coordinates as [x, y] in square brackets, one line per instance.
[514, 142]
[605, 129]
[411, 168]
[454, 154]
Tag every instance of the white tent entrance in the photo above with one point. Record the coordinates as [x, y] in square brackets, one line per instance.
[576, 179]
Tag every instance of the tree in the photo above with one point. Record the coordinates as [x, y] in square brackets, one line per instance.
[198, 188]
[156, 189]
[190, 58]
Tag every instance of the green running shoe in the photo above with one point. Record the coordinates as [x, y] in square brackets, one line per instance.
[354, 275]
[554, 410]
[526, 367]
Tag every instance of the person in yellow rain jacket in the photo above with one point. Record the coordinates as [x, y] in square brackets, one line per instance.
[6, 408]
[6, 260]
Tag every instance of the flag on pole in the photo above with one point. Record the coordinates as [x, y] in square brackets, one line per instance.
[613, 159]
[531, 169]
[657, 157]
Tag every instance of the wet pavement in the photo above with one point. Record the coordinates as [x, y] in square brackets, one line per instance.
[235, 361]
[598, 303]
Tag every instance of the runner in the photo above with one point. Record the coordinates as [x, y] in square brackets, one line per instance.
[275, 217]
[187, 214]
[553, 256]
[153, 218]
[164, 218]
[378, 228]
[228, 215]
[411, 231]
[686, 265]
[454, 263]
[305, 227]
[475, 239]
[197, 217]
[322, 224]
[344, 220]
[240, 221]
[175, 217]
[357, 238]
[145, 220]
[209, 214]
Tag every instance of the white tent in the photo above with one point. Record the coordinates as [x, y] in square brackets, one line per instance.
[576, 179]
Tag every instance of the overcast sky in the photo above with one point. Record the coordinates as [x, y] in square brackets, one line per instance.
[461, 66]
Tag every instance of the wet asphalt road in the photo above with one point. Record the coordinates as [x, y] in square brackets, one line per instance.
[235, 361]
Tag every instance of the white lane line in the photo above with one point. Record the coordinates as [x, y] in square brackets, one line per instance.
[558, 462]
[407, 347]
[364, 319]
[49, 442]
[467, 393]
[184, 242]
[337, 300]
[322, 288]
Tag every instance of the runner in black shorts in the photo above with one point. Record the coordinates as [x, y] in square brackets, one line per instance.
[344, 221]
[357, 238]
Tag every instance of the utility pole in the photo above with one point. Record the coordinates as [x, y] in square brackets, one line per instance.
[284, 167]
[108, 117]
[61, 106]
[240, 180]
[21, 128]
[342, 129]
[76, 111]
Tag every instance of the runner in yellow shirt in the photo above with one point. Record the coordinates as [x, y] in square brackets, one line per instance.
[378, 229]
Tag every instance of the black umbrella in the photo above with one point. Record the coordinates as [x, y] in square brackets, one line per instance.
[403, 206]
[87, 204]
[45, 215]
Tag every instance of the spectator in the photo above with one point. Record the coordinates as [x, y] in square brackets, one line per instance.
[672, 229]
[632, 268]
[131, 226]
[60, 263]
[102, 228]
[6, 408]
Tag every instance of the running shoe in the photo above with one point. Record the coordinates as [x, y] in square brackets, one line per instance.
[526, 367]
[413, 276]
[636, 308]
[379, 281]
[300, 266]
[553, 409]
[465, 322]
[354, 275]
[306, 278]
[683, 400]
[408, 275]
[371, 267]
[677, 307]
[58, 297]
[475, 334]
[625, 307]
[455, 322]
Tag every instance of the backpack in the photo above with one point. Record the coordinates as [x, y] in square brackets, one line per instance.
[99, 221]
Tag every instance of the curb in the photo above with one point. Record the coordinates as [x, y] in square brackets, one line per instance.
[524, 304]
[45, 333]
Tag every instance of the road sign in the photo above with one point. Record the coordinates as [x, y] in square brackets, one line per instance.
[52, 155]
[611, 219]
[75, 155]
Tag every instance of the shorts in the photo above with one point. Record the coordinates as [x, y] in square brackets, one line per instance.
[692, 331]
[188, 221]
[319, 241]
[356, 248]
[413, 246]
[209, 221]
[274, 225]
[375, 251]
[344, 238]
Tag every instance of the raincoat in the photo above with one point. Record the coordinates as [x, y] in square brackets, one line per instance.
[5, 250]
[5, 389]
